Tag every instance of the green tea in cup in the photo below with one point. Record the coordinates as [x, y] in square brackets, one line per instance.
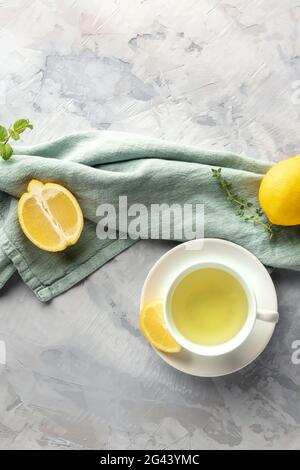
[209, 306]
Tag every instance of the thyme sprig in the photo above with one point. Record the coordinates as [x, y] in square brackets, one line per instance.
[245, 209]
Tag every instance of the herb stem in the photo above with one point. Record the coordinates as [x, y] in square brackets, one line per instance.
[245, 208]
[266, 225]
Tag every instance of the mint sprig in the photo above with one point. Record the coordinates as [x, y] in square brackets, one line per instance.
[245, 209]
[13, 132]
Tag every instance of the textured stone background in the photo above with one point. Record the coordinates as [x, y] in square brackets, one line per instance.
[222, 74]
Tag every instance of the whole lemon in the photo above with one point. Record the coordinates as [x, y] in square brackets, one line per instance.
[279, 192]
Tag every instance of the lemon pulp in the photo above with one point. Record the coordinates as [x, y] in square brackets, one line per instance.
[50, 216]
[154, 328]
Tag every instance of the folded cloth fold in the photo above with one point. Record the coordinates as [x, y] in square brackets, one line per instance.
[100, 166]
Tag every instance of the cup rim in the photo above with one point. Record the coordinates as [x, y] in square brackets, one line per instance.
[229, 345]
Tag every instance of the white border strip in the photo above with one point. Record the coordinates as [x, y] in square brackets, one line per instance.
[2, 353]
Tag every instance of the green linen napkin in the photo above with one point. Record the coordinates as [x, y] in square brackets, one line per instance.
[100, 166]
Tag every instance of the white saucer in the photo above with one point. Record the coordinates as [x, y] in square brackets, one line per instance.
[212, 250]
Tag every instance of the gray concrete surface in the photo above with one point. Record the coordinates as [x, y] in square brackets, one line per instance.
[221, 74]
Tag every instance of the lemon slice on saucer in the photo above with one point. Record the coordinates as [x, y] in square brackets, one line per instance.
[50, 216]
[154, 328]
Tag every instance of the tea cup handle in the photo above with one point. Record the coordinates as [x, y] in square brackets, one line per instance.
[267, 315]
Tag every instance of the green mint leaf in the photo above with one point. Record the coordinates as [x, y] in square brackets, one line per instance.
[6, 151]
[3, 134]
[13, 134]
[21, 125]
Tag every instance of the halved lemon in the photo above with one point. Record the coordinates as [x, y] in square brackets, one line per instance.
[50, 216]
[154, 328]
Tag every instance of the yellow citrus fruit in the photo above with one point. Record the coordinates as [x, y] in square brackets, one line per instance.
[279, 192]
[50, 216]
[154, 328]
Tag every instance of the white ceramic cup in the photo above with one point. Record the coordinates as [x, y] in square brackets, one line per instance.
[224, 348]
